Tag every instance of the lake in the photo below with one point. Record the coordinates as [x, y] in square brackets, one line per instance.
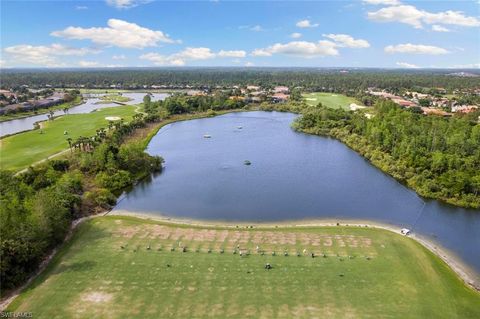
[26, 123]
[292, 176]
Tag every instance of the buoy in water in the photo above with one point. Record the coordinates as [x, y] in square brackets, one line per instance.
[247, 162]
[207, 136]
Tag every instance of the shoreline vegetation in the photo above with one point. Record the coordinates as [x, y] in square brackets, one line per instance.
[434, 165]
[65, 254]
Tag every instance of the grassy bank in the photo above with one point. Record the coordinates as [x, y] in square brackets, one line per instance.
[77, 101]
[21, 150]
[332, 100]
[367, 273]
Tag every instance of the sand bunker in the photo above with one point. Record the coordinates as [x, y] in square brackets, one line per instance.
[113, 118]
[354, 107]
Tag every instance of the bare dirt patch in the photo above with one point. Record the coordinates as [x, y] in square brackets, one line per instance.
[192, 237]
[97, 297]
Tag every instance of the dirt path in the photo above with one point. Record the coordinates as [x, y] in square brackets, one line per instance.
[44, 160]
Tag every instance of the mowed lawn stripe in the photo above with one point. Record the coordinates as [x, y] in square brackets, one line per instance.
[23, 149]
[94, 277]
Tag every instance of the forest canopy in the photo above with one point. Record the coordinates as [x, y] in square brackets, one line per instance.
[313, 79]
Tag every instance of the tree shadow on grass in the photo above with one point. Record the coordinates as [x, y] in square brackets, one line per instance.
[87, 232]
[74, 267]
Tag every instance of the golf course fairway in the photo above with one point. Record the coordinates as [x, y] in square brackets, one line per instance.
[127, 267]
[24, 149]
[331, 100]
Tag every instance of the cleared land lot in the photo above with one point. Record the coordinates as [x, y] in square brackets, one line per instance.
[118, 267]
[23, 149]
[331, 100]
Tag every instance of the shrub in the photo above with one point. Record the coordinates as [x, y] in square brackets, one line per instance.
[113, 182]
[101, 197]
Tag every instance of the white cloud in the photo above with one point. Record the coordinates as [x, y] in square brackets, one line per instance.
[156, 58]
[404, 14]
[452, 18]
[44, 55]
[306, 24]
[94, 64]
[88, 64]
[81, 7]
[412, 16]
[295, 35]
[195, 54]
[415, 49]
[345, 40]
[261, 52]
[118, 33]
[439, 28]
[232, 54]
[382, 2]
[256, 28]
[299, 48]
[466, 66]
[190, 54]
[125, 4]
[119, 57]
[249, 64]
[407, 65]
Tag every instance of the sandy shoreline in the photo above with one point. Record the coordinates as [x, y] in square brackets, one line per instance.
[469, 276]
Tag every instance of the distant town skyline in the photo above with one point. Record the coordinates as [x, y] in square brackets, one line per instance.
[142, 33]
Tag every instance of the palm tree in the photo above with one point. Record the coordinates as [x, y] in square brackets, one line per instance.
[69, 140]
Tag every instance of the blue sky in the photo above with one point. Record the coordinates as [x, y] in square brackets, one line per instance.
[362, 33]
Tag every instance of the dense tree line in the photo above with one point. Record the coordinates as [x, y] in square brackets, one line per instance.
[181, 103]
[310, 78]
[438, 157]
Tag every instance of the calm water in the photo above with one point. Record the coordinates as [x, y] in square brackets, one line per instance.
[25, 124]
[293, 176]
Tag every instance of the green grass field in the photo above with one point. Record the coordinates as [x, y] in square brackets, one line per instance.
[332, 100]
[367, 273]
[23, 149]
